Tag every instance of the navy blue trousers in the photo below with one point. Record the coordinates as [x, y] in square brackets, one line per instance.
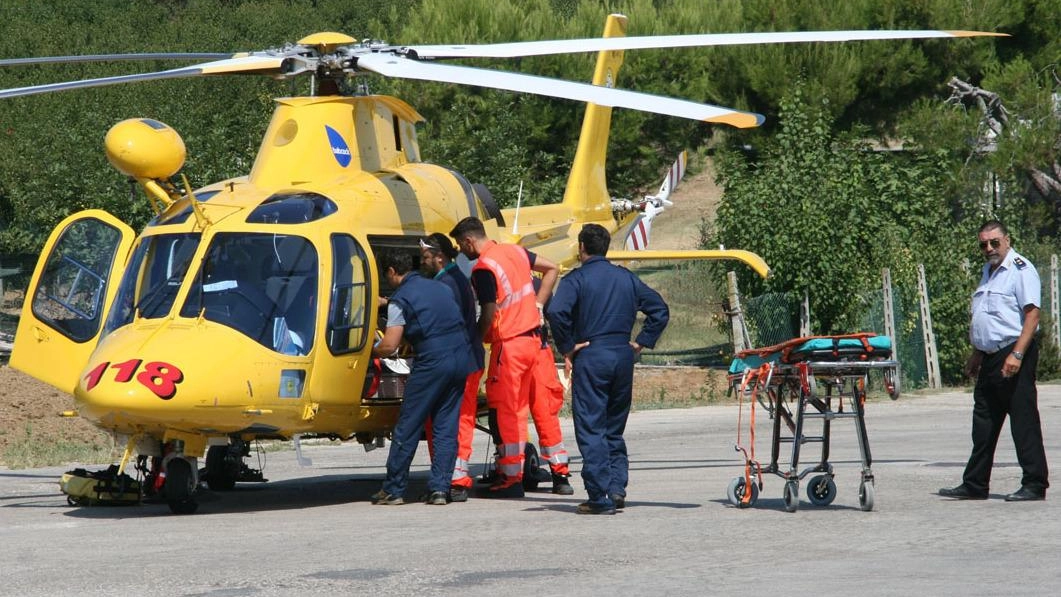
[602, 380]
[434, 390]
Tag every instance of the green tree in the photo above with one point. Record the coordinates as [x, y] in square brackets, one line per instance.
[828, 213]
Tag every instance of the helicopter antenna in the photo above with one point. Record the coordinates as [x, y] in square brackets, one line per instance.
[515, 217]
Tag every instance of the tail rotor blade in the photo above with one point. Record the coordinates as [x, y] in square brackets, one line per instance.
[674, 176]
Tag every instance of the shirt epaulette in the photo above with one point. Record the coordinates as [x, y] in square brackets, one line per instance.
[1020, 263]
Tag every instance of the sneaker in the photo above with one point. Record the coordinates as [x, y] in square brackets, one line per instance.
[514, 490]
[382, 498]
[591, 508]
[436, 498]
[561, 486]
[458, 494]
[619, 500]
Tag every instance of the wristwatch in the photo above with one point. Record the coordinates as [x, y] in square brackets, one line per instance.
[1018, 355]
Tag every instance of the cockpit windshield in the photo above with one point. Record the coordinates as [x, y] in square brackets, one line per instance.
[263, 285]
[152, 278]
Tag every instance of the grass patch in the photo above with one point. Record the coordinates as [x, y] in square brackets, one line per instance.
[696, 317]
[33, 450]
[662, 397]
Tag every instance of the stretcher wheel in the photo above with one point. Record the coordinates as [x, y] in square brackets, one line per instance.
[791, 496]
[533, 473]
[891, 383]
[821, 491]
[865, 495]
[736, 492]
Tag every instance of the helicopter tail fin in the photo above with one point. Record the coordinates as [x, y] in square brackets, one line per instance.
[586, 194]
[637, 238]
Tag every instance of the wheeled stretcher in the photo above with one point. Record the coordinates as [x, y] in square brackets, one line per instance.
[819, 378]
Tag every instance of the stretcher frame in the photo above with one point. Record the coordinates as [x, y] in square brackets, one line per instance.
[794, 393]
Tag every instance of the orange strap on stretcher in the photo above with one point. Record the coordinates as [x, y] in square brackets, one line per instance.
[753, 377]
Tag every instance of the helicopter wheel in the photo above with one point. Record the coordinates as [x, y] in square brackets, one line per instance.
[222, 468]
[180, 487]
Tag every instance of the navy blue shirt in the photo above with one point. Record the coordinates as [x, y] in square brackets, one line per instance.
[453, 277]
[599, 301]
[433, 323]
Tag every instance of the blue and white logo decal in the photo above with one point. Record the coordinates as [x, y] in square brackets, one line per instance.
[340, 149]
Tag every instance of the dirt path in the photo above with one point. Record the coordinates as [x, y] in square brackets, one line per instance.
[695, 198]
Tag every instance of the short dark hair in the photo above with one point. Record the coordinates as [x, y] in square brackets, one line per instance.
[993, 224]
[595, 239]
[439, 243]
[401, 260]
[470, 227]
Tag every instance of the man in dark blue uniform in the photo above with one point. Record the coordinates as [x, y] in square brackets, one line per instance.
[592, 316]
[1005, 317]
[437, 255]
[424, 312]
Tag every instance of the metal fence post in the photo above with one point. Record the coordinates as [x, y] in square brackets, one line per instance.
[804, 315]
[931, 356]
[736, 315]
[1055, 311]
[889, 311]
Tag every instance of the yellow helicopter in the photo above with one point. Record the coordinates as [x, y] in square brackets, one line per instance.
[246, 309]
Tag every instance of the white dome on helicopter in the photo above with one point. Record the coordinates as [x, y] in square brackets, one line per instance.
[144, 148]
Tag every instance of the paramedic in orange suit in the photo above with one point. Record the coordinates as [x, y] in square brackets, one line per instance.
[546, 398]
[510, 322]
[436, 258]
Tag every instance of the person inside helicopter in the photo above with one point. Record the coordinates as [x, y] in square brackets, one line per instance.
[263, 285]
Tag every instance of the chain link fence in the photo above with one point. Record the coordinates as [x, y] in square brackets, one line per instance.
[909, 343]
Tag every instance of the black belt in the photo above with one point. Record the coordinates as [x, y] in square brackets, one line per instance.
[530, 332]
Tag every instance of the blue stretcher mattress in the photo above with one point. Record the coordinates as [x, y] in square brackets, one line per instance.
[819, 349]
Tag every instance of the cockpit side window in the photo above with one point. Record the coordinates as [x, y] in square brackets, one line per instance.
[263, 285]
[348, 313]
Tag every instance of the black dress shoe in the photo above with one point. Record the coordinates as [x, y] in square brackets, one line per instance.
[1026, 495]
[591, 508]
[962, 492]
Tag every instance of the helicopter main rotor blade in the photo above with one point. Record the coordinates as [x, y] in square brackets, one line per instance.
[596, 44]
[244, 64]
[395, 66]
[115, 57]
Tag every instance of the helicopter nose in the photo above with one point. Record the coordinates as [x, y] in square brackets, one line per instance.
[163, 378]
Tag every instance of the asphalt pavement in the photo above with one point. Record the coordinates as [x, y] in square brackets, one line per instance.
[312, 530]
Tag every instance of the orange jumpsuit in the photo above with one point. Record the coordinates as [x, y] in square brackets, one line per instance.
[546, 399]
[514, 353]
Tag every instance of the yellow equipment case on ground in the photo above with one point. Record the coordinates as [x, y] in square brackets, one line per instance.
[101, 488]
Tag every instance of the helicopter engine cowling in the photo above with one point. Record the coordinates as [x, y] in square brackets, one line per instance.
[145, 149]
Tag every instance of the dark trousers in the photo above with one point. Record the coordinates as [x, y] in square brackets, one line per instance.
[601, 385]
[433, 390]
[994, 397]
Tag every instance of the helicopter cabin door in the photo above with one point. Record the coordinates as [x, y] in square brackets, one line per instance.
[68, 297]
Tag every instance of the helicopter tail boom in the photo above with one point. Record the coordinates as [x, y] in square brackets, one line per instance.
[586, 194]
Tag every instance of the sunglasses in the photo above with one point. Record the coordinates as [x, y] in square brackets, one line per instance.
[994, 242]
[429, 246]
